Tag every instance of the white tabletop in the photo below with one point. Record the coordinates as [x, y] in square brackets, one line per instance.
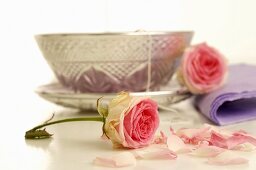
[75, 145]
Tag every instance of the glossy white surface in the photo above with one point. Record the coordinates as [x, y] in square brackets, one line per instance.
[75, 145]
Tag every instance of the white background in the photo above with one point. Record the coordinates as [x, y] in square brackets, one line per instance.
[228, 25]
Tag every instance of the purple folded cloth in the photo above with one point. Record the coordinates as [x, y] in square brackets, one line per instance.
[234, 102]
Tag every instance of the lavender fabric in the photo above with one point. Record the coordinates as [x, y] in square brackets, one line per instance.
[236, 101]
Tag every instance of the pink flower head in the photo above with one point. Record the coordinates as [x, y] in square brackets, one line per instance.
[203, 69]
[131, 121]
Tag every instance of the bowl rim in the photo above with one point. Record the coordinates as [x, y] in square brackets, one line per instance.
[137, 33]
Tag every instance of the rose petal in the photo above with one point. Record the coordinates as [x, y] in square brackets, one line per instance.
[160, 139]
[218, 140]
[242, 137]
[154, 152]
[227, 158]
[176, 144]
[172, 131]
[120, 160]
[207, 151]
[230, 142]
[194, 136]
[247, 147]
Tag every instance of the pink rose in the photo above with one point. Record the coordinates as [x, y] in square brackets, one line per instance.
[131, 122]
[203, 69]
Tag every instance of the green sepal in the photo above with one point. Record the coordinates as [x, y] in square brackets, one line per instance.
[102, 108]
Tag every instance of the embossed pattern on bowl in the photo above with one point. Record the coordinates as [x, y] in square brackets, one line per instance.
[112, 62]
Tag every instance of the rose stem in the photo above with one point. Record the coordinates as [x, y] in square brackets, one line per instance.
[98, 118]
[43, 133]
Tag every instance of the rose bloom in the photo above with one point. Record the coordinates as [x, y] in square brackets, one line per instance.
[203, 69]
[131, 121]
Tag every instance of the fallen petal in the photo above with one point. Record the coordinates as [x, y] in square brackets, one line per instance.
[119, 160]
[190, 133]
[172, 131]
[176, 144]
[194, 136]
[218, 140]
[247, 147]
[227, 158]
[155, 152]
[203, 143]
[230, 142]
[240, 138]
[160, 139]
[207, 151]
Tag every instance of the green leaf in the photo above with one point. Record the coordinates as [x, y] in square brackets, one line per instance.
[37, 134]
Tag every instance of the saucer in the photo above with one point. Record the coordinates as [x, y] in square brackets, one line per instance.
[66, 97]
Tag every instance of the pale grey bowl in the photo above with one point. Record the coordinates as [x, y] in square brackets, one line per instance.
[112, 62]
